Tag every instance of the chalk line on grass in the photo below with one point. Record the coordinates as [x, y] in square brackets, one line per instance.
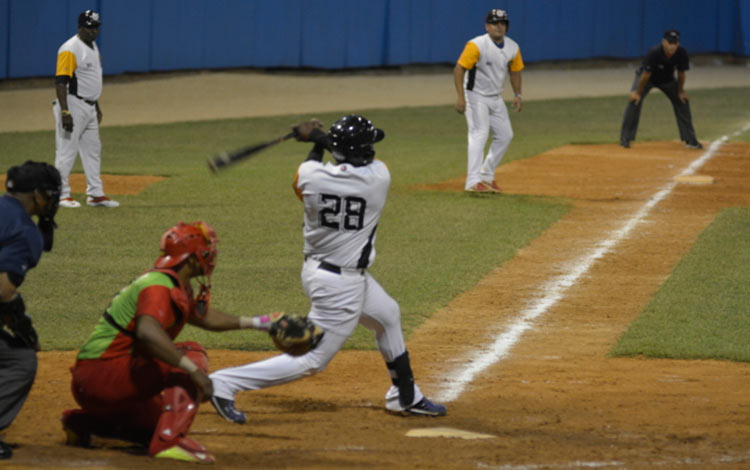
[453, 384]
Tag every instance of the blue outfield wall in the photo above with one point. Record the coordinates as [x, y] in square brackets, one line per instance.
[159, 35]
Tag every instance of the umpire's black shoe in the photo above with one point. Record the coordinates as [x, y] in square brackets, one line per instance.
[226, 410]
[625, 144]
[6, 451]
[694, 145]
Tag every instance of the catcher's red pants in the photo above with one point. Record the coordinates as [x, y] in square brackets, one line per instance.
[123, 395]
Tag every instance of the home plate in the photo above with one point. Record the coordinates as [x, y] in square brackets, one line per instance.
[696, 179]
[447, 432]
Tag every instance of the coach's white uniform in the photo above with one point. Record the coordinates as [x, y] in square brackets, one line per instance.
[83, 64]
[487, 64]
[343, 204]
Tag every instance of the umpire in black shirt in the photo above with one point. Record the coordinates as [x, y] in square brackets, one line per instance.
[657, 70]
[33, 190]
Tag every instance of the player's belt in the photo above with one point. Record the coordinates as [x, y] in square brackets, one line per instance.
[329, 267]
[92, 103]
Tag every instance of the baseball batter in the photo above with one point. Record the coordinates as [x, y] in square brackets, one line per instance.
[78, 85]
[488, 59]
[343, 202]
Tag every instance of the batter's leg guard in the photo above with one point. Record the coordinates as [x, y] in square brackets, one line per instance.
[403, 378]
[177, 415]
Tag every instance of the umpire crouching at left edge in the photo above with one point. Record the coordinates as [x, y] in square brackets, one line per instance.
[32, 189]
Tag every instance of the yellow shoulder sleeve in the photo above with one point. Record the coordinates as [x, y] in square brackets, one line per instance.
[66, 63]
[469, 57]
[516, 65]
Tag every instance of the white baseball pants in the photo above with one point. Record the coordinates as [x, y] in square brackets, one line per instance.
[84, 140]
[339, 303]
[485, 113]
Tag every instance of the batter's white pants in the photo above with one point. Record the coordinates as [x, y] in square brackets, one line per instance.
[485, 113]
[339, 303]
[84, 140]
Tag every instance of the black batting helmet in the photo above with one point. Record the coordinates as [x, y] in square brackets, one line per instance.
[351, 139]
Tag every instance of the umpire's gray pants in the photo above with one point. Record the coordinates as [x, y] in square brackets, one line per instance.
[681, 112]
[17, 372]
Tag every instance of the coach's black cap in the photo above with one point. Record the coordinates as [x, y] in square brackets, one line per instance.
[496, 15]
[89, 19]
[672, 35]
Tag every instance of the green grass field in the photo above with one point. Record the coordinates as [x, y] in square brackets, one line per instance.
[431, 245]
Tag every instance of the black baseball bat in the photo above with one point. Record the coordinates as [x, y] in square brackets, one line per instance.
[225, 159]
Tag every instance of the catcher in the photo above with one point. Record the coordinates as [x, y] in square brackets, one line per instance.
[342, 201]
[132, 381]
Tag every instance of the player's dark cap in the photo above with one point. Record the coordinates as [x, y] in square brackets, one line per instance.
[89, 19]
[672, 36]
[33, 175]
[496, 16]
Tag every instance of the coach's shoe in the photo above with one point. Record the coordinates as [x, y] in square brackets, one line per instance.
[425, 407]
[226, 410]
[480, 188]
[101, 201]
[75, 432]
[494, 187]
[69, 202]
[187, 450]
[694, 145]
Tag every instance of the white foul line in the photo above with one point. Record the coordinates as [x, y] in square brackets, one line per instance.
[456, 381]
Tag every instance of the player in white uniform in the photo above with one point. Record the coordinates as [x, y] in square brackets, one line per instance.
[78, 85]
[488, 58]
[343, 201]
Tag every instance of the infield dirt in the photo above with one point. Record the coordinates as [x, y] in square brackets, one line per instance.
[557, 401]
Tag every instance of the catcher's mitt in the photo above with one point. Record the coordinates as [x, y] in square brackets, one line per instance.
[294, 335]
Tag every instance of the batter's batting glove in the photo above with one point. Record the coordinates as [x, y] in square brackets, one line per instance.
[308, 131]
[294, 335]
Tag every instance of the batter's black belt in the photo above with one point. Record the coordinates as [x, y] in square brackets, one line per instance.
[332, 268]
[92, 103]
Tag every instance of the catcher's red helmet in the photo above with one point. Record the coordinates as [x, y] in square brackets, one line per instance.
[183, 240]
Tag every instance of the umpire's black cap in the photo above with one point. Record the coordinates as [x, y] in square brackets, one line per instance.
[33, 175]
[89, 19]
[672, 36]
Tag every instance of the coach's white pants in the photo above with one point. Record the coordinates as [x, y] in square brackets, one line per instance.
[339, 303]
[84, 140]
[485, 113]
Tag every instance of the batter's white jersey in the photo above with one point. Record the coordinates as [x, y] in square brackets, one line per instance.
[343, 204]
[83, 64]
[488, 64]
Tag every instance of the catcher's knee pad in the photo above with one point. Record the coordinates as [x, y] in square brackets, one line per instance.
[403, 378]
[196, 353]
[178, 411]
